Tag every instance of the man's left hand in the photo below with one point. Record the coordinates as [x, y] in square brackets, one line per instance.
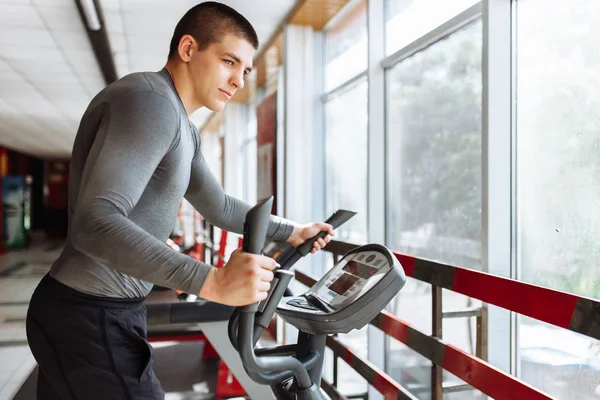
[302, 233]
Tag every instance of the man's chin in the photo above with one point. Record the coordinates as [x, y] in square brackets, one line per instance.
[216, 106]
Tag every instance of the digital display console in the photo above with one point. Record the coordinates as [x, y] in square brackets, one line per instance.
[351, 277]
[343, 283]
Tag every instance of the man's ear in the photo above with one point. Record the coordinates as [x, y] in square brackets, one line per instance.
[186, 47]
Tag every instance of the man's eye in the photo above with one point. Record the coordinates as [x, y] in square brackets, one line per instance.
[228, 62]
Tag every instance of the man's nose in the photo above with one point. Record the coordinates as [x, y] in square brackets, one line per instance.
[238, 80]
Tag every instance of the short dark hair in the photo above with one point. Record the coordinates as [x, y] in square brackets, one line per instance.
[208, 22]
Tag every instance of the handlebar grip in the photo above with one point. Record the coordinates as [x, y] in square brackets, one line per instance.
[337, 219]
[340, 217]
[255, 233]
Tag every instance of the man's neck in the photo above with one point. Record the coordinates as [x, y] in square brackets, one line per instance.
[183, 86]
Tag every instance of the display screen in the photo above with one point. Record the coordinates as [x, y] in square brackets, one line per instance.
[343, 283]
[361, 270]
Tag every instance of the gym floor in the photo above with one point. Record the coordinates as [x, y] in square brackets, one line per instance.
[179, 366]
[20, 272]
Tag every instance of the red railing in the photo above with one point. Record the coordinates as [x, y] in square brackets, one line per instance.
[565, 310]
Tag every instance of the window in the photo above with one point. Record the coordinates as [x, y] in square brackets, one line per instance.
[558, 190]
[434, 186]
[347, 47]
[346, 119]
[434, 136]
[408, 20]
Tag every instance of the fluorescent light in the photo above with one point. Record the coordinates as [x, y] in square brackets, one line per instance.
[91, 16]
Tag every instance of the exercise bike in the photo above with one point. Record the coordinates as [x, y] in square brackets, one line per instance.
[350, 295]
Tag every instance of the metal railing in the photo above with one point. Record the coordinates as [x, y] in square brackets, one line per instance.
[561, 309]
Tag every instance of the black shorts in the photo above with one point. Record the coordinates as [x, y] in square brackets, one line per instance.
[89, 347]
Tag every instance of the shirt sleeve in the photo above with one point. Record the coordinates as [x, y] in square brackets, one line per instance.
[209, 199]
[141, 129]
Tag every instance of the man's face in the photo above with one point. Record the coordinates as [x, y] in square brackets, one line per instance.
[219, 71]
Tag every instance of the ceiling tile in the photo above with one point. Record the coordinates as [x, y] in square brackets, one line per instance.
[43, 55]
[148, 44]
[60, 93]
[53, 3]
[42, 80]
[158, 25]
[72, 108]
[175, 7]
[123, 70]
[121, 58]
[21, 15]
[5, 66]
[62, 19]
[16, 89]
[93, 83]
[114, 22]
[30, 38]
[27, 67]
[18, 2]
[10, 75]
[49, 76]
[110, 5]
[72, 40]
[117, 42]
[81, 61]
[145, 62]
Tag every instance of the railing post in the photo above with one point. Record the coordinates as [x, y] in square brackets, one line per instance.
[481, 347]
[436, 332]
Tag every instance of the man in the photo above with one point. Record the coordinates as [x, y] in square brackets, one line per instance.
[136, 155]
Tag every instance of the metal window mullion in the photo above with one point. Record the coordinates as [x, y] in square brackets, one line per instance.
[446, 29]
[340, 15]
[496, 172]
[376, 160]
[344, 87]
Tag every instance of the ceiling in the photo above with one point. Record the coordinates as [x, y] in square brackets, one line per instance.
[49, 73]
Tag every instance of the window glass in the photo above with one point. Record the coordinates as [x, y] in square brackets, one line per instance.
[558, 190]
[346, 47]
[408, 20]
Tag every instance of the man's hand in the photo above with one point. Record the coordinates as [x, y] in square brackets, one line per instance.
[245, 279]
[303, 232]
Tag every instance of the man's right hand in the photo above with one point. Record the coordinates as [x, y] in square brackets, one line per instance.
[245, 279]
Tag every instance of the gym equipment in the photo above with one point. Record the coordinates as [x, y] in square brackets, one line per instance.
[172, 317]
[350, 295]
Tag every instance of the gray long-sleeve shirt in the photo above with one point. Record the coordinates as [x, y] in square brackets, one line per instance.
[135, 156]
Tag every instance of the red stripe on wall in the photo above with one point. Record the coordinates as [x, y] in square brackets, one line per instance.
[533, 301]
[487, 378]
